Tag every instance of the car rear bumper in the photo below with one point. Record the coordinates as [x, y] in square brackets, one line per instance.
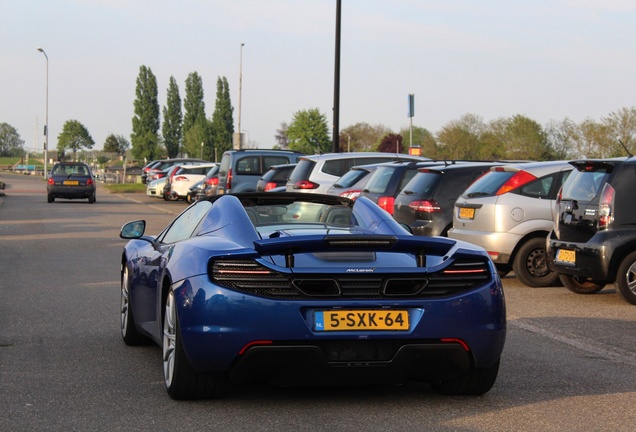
[499, 245]
[256, 338]
[592, 258]
[71, 192]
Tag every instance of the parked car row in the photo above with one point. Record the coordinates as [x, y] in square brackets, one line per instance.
[532, 218]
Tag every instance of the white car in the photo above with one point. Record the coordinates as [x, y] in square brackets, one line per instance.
[317, 173]
[179, 184]
[155, 188]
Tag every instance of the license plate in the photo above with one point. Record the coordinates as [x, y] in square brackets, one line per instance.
[567, 256]
[356, 320]
[466, 213]
[71, 183]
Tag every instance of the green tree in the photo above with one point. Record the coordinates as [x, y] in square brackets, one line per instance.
[362, 136]
[10, 142]
[422, 138]
[116, 144]
[308, 132]
[621, 126]
[562, 137]
[222, 118]
[595, 140]
[172, 119]
[462, 139]
[195, 125]
[145, 123]
[74, 137]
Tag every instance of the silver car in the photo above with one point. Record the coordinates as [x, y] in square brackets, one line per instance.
[508, 212]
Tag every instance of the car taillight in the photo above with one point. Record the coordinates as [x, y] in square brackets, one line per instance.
[212, 181]
[605, 206]
[89, 182]
[559, 196]
[425, 206]
[180, 178]
[50, 181]
[352, 194]
[305, 184]
[518, 179]
[270, 186]
[228, 182]
[386, 202]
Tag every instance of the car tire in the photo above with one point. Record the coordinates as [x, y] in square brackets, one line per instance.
[476, 382]
[530, 264]
[92, 199]
[581, 285]
[50, 198]
[626, 278]
[181, 380]
[129, 332]
[502, 270]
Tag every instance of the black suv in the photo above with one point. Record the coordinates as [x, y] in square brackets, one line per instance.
[426, 202]
[389, 178]
[593, 242]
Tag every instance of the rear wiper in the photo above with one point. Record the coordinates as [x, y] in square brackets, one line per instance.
[477, 194]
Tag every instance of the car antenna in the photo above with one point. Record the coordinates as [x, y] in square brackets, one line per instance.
[625, 147]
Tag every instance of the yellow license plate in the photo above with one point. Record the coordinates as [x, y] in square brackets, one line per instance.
[71, 183]
[356, 320]
[466, 213]
[567, 256]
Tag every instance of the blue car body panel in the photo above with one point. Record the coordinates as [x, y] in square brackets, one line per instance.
[233, 326]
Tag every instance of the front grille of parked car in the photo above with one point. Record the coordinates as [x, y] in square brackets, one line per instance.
[253, 278]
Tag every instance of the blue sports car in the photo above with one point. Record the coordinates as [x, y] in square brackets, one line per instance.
[293, 288]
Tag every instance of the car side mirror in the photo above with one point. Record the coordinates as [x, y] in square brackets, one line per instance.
[133, 230]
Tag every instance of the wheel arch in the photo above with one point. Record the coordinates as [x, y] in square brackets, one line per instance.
[523, 240]
[618, 256]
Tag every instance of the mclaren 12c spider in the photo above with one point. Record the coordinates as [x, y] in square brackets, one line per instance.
[308, 289]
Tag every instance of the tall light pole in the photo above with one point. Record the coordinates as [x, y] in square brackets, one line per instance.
[240, 97]
[46, 120]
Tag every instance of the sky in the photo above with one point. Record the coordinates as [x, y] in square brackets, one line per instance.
[545, 59]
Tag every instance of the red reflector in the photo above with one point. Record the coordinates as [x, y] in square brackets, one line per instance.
[456, 340]
[305, 184]
[253, 344]
[386, 203]
[270, 186]
[519, 179]
[425, 206]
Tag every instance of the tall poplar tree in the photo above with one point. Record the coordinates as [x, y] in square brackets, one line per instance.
[172, 120]
[222, 118]
[145, 123]
[195, 125]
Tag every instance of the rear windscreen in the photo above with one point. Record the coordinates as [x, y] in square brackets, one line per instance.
[584, 185]
[350, 178]
[488, 184]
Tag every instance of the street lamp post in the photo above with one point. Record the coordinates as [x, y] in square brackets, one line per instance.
[46, 121]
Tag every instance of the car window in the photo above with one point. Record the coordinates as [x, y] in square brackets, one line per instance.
[282, 174]
[268, 161]
[225, 164]
[539, 188]
[183, 227]
[336, 167]
[351, 177]
[379, 180]
[249, 165]
[302, 170]
[408, 175]
[584, 185]
[423, 183]
[488, 184]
